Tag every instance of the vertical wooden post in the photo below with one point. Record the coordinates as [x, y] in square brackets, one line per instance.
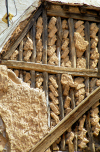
[45, 74]
[33, 31]
[87, 54]
[71, 40]
[99, 48]
[21, 58]
[90, 134]
[73, 57]
[61, 107]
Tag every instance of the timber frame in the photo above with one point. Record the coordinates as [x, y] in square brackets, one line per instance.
[46, 10]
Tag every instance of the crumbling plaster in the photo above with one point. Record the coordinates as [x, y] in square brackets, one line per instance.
[23, 111]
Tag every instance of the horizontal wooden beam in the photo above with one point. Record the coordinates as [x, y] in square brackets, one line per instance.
[49, 68]
[67, 121]
[65, 14]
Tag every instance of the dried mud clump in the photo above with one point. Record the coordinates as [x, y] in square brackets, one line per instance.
[94, 55]
[79, 90]
[95, 119]
[23, 111]
[39, 81]
[39, 46]
[82, 140]
[69, 139]
[67, 82]
[28, 47]
[80, 45]
[54, 104]
[51, 50]
[65, 62]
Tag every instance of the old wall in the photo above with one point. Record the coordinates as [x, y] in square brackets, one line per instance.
[23, 111]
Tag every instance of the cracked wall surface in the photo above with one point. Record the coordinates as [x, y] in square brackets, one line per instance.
[23, 111]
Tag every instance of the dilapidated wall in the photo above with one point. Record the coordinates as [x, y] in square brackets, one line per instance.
[23, 111]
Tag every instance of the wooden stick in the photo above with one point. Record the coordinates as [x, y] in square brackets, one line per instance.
[50, 69]
[45, 74]
[61, 106]
[33, 31]
[21, 51]
[67, 121]
[90, 134]
[23, 33]
[71, 39]
[87, 55]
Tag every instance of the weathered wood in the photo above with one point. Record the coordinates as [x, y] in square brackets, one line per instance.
[66, 14]
[90, 134]
[87, 38]
[67, 121]
[50, 69]
[33, 32]
[71, 40]
[99, 48]
[61, 106]
[45, 74]
[23, 33]
[32, 78]
[87, 86]
[21, 51]
[45, 88]
[72, 98]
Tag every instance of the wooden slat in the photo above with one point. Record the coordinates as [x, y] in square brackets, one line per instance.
[90, 134]
[99, 48]
[67, 121]
[45, 74]
[65, 14]
[33, 32]
[24, 32]
[50, 69]
[21, 51]
[87, 38]
[71, 40]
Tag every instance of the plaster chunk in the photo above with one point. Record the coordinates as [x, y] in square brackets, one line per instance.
[53, 60]
[65, 53]
[65, 44]
[23, 111]
[51, 41]
[53, 98]
[80, 28]
[78, 23]
[65, 34]
[27, 77]
[51, 50]
[52, 22]
[14, 55]
[81, 63]
[98, 83]
[55, 117]
[39, 22]
[80, 43]
[28, 45]
[52, 32]
[54, 108]
[64, 24]
[53, 81]
[39, 33]
[94, 54]
[53, 90]
[79, 53]
[67, 102]
[27, 55]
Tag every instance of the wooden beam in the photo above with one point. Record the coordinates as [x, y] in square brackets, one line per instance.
[24, 32]
[33, 32]
[45, 74]
[65, 14]
[90, 134]
[71, 39]
[21, 51]
[50, 69]
[67, 122]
